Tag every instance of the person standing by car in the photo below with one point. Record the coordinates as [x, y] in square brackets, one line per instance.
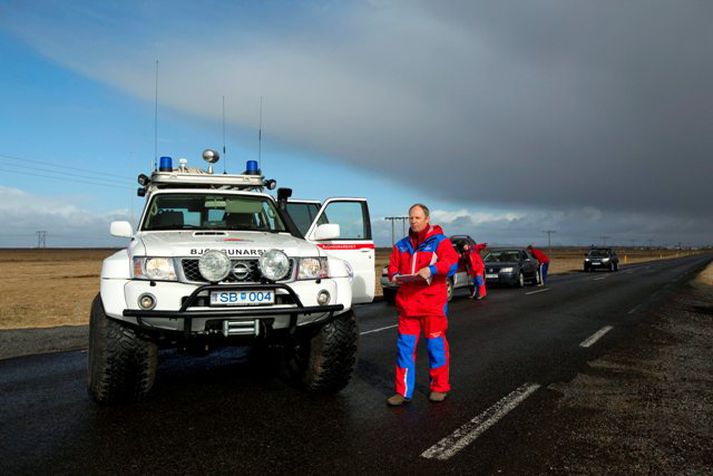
[477, 270]
[544, 261]
[421, 262]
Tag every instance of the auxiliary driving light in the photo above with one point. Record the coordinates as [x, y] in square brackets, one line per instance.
[147, 301]
[323, 297]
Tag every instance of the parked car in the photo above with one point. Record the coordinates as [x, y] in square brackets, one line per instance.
[605, 258]
[511, 266]
[460, 279]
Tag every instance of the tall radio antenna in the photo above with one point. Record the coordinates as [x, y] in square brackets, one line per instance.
[224, 154]
[155, 124]
[259, 139]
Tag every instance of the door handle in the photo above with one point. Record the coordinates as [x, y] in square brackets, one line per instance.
[365, 250]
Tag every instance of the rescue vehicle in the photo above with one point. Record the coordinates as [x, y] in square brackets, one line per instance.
[216, 260]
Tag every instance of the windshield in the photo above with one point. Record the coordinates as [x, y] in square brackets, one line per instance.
[502, 256]
[212, 211]
[598, 253]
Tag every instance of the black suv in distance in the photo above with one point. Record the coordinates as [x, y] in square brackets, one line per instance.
[605, 258]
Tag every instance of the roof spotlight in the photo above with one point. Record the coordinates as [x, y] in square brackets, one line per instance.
[143, 180]
[211, 156]
[270, 184]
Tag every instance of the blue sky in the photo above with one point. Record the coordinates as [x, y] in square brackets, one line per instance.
[495, 119]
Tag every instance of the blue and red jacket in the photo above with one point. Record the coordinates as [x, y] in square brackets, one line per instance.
[433, 250]
[477, 267]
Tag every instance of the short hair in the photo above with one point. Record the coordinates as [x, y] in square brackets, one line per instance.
[422, 207]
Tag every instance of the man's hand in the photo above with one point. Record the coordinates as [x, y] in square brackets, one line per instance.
[425, 273]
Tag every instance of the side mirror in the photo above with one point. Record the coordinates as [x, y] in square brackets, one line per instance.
[121, 229]
[328, 231]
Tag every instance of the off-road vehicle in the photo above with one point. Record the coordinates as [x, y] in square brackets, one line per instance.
[216, 261]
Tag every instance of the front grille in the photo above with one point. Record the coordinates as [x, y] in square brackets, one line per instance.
[249, 273]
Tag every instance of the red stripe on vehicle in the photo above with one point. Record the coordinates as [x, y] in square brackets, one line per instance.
[345, 246]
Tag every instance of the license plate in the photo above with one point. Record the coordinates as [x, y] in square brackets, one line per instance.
[241, 298]
[491, 276]
[596, 263]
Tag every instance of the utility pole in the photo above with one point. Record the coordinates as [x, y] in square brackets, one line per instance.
[549, 239]
[651, 243]
[42, 239]
[633, 243]
[604, 240]
[403, 226]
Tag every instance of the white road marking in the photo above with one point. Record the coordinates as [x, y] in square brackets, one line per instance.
[628, 272]
[538, 291]
[466, 434]
[599, 279]
[634, 309]
[378, 330]
[596, 336]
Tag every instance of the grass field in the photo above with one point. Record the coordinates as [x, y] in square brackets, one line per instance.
[55, 287]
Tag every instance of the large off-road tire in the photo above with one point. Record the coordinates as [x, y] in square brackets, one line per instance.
[324, 362]
[122, 365]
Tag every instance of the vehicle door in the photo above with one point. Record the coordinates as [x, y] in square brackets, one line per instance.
[354, 244]
[303, 213]
[460, 278]
[529, 264]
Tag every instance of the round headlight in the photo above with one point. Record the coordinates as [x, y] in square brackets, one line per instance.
[274, 264]
[214, 265]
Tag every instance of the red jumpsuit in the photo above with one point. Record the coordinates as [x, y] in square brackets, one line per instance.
[423, 306]
[477, 270]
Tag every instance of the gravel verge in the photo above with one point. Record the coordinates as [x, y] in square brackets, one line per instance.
[645, 408]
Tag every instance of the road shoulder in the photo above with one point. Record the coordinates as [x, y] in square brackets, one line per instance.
[643, 407]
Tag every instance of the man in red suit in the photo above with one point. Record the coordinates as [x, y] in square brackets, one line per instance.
[420, 263]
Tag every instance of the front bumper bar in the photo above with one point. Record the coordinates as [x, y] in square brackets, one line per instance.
[232, 312]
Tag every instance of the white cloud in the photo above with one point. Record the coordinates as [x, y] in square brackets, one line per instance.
[66, 223]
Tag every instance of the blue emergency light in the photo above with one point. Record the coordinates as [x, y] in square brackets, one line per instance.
[165, 164]
[251, 168]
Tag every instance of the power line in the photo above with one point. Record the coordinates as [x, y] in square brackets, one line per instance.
[549, 239]
[42, 239]
[63, 167]
[66, 178]
[403, 226]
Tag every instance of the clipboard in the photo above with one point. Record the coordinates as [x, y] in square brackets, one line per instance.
[411, 278]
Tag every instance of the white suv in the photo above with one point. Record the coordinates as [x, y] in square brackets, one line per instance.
[217, 261]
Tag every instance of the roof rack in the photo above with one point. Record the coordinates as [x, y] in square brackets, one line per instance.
[179, 179]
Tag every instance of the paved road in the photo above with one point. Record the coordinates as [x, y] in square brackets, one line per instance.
[217, 415]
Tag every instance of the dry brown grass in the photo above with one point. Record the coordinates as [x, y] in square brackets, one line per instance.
[48, 288]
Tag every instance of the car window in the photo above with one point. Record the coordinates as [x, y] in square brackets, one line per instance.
[501, 257]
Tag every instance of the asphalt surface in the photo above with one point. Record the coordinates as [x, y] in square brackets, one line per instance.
[218, 414]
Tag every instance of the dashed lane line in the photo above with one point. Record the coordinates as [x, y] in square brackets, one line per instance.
[378, 330]
[599, 279]
[538, 291]
[466, 434]
[591, 340]
[634, 309]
